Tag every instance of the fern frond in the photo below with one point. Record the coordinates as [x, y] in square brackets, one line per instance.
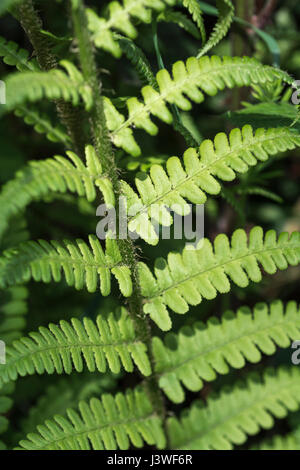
[185, 279]
[66, 393]
[176, 17]
[226, 15]
[290, 441]
[189, 182]
[13, 55]
[5, 405]
[108, 344]
[13, 309]
[195, 10]
[81, 264]
[120, 19]
[229, 418]
[57, 174]
[113, 422]
[189, 82]
[42, 124]
[54, 84]
[138, 60]
[197, 353]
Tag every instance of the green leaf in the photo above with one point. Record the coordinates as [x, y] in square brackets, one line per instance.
[237, 412]
[81, 264]
[199, 352]
[190, 81]
[109, 343]
[188, 180]
[120, 18]
[185, 279]
[109, 423]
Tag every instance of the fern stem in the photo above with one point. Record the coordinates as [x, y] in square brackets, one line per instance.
[32, 25]
[105, 152]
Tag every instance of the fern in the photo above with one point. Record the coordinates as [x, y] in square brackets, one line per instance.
[126, 381]
[191, 79]
[66, 393]
[13, 309]
[185, 279]
[120, 19]
[113, 422]
[43, 125]
[230, 417]
[57, 174]
[171, 16]
[287, 442]
[220, 159]
[82, 264]
[55, 84]
[226, 15]
[106, 344]
[197, 353]
[195, 10]
[5, 405]
[13, 55]
[138, 60]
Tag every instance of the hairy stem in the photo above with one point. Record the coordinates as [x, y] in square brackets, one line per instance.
[106, 155]
[32, 25]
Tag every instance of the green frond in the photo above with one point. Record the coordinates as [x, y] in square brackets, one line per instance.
[13, 308]
[190, 81]
[138, 60]
[57, 174]
[109, 423]
[195, 10]
[5, 405]
[226, 15]
[204, 350]
[81, 264]
[189, 179]
[120, 18]
[109, 343]
[185, 279]
[13, 55]
[54, 84]
[42, 124]
[238, 412]
[66, 393]
[290, 441]
[176, 17]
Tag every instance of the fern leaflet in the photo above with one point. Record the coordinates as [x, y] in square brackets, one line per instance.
[57, 174]
[195, 10]
[226, 15]
[15, 56]
[197, 353]
[54, 84]
[120, 19]
[109, 423]
[185, 279]
[230, 417]
[108, 343]
[173, 189]
[191, 79]
[81, 264]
